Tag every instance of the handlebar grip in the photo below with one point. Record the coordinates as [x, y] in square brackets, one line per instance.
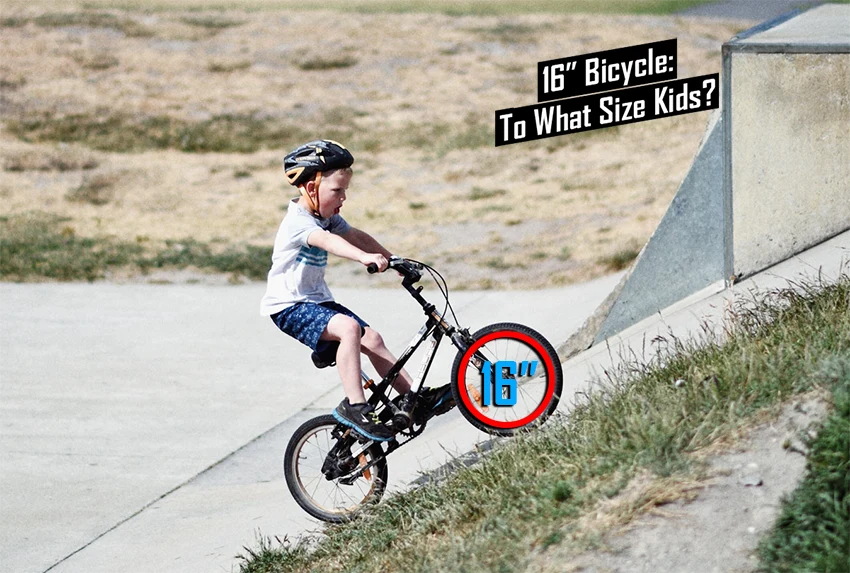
[372, 268]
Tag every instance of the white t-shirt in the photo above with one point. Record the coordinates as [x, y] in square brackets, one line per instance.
[298, 270]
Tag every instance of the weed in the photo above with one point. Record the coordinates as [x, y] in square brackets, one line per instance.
[450, 50]
[509, 33]
[416, 206]
[619, 260]
[499, 264]
[97, 189]
[42, 245]
[38, 244]
[13, 22]
[12, 82]
[95, 61]
[128, 26]
[227, 66]
[478, 193]
[62, 158]
[565, 254]
[563, 491]
[250, 261]
[473, 134]
[125, 133]
[320, 63]
[212, 22]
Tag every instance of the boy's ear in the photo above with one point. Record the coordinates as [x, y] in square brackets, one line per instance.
[310, 187]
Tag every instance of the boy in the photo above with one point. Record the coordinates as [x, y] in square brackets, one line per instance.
[297, 297]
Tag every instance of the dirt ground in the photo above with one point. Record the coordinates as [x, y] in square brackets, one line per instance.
[413, 96]
[711, 525]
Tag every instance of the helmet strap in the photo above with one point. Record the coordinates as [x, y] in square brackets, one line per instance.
[314, 205]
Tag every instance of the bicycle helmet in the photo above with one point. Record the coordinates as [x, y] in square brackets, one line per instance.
[301, 164]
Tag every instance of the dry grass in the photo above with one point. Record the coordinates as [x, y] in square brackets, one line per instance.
[96, 189]
[59, 158]
[448, 7]
[413, 98]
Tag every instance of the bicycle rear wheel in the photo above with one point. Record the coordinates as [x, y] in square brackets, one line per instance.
[339, 496]
[525, 391]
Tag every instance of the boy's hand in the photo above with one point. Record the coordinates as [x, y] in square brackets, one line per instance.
[375, 258]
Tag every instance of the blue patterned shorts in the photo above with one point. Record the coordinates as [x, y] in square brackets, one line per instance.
[306, 321]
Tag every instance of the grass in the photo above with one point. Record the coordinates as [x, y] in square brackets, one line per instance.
[508, 33]
[213, 22]
[88, 19]
[534, 490]
[813, 529]
[237, 133]
[61, 158]
[96, 61]
[619, 260]
[479, 193]
[96, 189]
[41, 245]
[118, 132]
[449, 7]
[227, 66]
[498, 263]
[329, 62]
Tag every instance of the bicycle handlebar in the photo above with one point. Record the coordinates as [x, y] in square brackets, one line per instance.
[409, 270]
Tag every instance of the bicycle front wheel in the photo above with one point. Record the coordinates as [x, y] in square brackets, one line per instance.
[324, 470]
[508, 379]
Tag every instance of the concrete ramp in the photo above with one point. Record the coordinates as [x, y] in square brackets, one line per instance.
[686, 252]
[771, 177]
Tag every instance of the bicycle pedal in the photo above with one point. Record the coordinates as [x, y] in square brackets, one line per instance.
[401, 420]
[476, 396]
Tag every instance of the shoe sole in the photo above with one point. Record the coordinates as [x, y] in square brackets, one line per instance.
[360, 431]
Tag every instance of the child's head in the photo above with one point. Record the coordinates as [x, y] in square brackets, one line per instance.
[311, 164]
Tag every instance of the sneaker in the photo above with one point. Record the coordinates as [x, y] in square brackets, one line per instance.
[363, 419]
[431, 402]
[436, 401]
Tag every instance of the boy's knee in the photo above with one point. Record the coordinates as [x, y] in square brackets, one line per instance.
[344, 327]
[372, 339]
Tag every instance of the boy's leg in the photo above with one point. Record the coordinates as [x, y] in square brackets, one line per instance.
[372, 345]
[346, 331]
[354, 411]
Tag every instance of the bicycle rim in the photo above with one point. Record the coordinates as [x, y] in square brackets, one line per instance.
[331, 500]
[536, 394]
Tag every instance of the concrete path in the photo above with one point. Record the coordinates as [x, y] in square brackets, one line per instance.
[114, 397]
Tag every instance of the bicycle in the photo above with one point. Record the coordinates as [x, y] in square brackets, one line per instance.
[333, 472]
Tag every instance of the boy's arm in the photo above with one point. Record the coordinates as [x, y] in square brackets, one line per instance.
[365, 242]
[341, 246]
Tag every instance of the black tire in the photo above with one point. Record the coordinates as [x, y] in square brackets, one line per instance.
[330, 500]
[539, 394]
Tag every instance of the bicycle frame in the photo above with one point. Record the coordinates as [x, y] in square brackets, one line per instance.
[435, 328]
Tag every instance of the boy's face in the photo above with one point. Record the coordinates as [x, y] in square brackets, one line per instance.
[332, 192]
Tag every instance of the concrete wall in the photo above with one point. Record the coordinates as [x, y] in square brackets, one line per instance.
[790, 150]
[772, 176]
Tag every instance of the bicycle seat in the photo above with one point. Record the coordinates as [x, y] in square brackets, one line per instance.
[325, 355]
